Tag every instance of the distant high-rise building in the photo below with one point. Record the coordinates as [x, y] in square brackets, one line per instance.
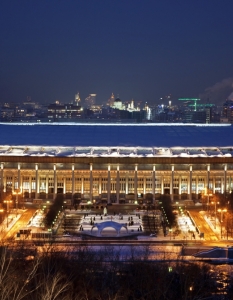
[111, 100]
[131, 106]
[67, 112]
[228, 110]
[148, 112]
[77, 99]
[90, 100]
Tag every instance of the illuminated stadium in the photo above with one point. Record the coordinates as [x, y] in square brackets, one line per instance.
[116, 163]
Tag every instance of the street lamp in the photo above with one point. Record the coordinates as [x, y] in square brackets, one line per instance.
[208, 194]
[1, 211]
[221, 220]
[215, 212]
[7, 210]
[170, 230]
[17, 192]
[222, 211]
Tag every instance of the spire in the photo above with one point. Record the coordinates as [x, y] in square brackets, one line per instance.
[77, 99]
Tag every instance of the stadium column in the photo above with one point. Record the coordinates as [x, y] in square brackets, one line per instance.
[136, 183]
[171, 185]
[144, 186]
[30, 186]
[222, 185]
[54, 181]
[126, 183]
[73, 183]
[36, 187]
[64, 185]
[196, 188]
[162, 185]
[153, 184]
[208, 179]
[190, 181]
[208, 186]
[47, 186]
[13, 182]
[91, 182]
[100, 186]
[5, 182]
[229, 184]
[109, 182]
[118, 184]
[179, 187]
[225, 181]
[1, 178]
[213, 188]
[82, 186]
[19, 178]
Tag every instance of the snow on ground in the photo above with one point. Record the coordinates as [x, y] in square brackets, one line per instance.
[37, 219]
[88, 219]
[185, 224]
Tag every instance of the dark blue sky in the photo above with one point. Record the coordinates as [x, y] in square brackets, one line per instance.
[138, 49]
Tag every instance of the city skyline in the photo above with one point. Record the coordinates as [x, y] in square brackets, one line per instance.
[52, 50]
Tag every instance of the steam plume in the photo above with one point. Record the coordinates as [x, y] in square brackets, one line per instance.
[219, 92]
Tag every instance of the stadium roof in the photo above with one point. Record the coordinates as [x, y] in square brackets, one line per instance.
[72, 139]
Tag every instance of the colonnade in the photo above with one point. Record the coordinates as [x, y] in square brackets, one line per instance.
[174, 174]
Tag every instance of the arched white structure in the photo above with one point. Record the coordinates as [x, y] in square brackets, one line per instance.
[115, 225]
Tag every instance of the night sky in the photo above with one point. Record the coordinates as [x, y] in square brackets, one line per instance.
[144, 50]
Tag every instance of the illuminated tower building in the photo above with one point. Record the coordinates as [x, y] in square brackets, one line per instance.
[77, 99]
[148, 112]
[90, 100]
[132, 104]
[169, 98]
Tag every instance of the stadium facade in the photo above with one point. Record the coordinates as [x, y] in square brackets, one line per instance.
[116, 163]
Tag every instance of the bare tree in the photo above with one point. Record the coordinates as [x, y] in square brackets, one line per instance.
[13, 282]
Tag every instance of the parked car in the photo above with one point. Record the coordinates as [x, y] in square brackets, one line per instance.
[153, 235]
[66, 234]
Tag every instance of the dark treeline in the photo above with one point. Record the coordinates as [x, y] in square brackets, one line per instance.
[54, 210]
[84, 274]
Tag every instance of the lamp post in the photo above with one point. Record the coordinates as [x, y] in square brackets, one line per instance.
[17, 192]
[221, 220]
[1, 211]
[7, 210]
[208, 194]
[222, 211]
[170, 230]
[215, 212]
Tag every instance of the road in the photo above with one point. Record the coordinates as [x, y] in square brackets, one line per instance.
[21, 223]
[198, 218]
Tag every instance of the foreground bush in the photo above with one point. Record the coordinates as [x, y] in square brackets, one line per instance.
[84, 274]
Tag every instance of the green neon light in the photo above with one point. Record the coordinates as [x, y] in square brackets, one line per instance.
[202, 105]
[189, 99]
